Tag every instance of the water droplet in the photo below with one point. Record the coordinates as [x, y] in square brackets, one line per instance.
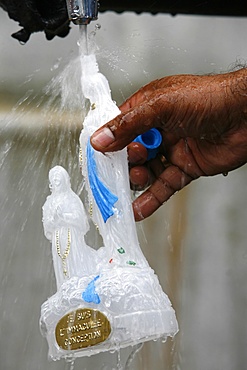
[107, 303]
[70, 362]
[97, 26]
[56, 65]
[164, 339]
[92, 34]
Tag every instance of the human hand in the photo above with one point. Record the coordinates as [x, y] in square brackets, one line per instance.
[203, 122]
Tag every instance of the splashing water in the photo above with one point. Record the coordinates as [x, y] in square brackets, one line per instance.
[39, 132]
[127, 299]
[50, 131]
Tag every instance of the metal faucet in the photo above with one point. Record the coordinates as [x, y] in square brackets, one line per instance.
[82, 12]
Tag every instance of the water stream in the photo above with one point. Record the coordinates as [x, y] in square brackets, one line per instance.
[131, 295]
[203, 255]
[55, 140]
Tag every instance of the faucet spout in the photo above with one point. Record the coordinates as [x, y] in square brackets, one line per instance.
[82, 12]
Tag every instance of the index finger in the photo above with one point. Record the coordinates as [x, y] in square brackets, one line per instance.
[138, 97]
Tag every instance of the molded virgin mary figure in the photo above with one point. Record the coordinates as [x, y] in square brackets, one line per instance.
[115, 281]
[65, 224]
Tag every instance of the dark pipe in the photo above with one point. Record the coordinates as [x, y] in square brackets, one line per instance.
[51, 16]
[173, 7]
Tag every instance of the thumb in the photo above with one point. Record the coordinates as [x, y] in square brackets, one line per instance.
[122, 130]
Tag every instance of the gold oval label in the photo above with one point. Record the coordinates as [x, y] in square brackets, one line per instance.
[82, 328]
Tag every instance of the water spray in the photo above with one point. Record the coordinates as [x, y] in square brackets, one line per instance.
[107, 298]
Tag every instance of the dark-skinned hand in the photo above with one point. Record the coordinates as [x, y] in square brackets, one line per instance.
[203, 122]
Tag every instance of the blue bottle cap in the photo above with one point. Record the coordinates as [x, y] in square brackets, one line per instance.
[151, 140]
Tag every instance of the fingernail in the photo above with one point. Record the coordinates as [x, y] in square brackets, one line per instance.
[103, 138]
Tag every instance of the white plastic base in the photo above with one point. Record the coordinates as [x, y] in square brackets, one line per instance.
[132, 300]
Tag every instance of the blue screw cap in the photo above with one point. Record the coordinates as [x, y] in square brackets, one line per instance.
[151, 140]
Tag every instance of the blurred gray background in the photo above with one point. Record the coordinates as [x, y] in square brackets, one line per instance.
[196, 243]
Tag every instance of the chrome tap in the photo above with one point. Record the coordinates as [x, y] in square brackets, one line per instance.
[82, 12]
